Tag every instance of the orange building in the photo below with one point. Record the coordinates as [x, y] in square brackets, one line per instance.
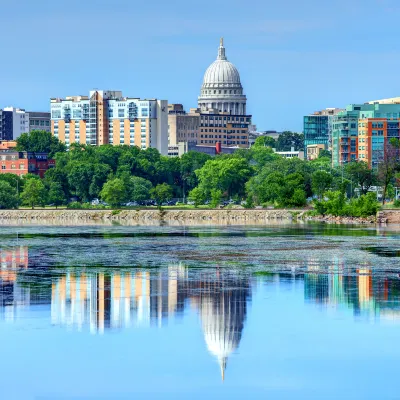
[8, 145]
[373, 136]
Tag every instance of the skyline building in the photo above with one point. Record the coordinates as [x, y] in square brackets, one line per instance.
[362, 132]
[106, 117]
[16, 121]
[317, 128]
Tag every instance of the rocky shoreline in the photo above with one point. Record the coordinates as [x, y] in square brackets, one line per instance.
[146, 217]
[182, 217]
[342, 220]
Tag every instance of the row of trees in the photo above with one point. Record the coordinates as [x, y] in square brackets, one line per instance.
[264, 178]
[257, 175]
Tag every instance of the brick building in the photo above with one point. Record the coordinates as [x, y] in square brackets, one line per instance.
[24, 162]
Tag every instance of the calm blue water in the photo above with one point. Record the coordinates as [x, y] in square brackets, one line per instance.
[280, 312]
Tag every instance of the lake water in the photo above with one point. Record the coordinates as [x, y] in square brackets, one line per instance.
[280, 312]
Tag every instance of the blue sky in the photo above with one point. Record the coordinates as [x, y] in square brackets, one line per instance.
[294, 57]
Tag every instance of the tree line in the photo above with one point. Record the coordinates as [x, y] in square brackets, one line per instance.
[252, 177]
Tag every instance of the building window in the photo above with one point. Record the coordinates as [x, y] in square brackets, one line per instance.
[21, 166]
[3, 167]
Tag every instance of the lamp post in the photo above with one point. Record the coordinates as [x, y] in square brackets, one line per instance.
[18, 190]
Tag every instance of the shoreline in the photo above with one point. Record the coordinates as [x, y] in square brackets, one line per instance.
[182, 217]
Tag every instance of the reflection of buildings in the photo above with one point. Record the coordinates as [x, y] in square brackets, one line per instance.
[121, 299]
[222, 302]
[116, 300]
[366, 294]
[12, 295]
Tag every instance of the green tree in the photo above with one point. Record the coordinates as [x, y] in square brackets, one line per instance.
[99, 175]
[226, 174]
[265, 141]
[198, 196]
[216, 196]
[190, 163]
[321, 182]
[389, 166]
[13, 180]
[79, 178]
[34, 193]
[114, 192]
[56, 194]
[162, 193]
[139, 188]
[360, 174]
[8, 195]
[325, 154]
[260, 156]
[40, 141]
[333, 205]
[288, 139]
[57, 175]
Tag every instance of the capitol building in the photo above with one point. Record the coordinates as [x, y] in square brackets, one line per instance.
[220, 122]
[221, 89]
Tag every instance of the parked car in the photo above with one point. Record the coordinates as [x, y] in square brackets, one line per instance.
[95, 202]
[132, 204]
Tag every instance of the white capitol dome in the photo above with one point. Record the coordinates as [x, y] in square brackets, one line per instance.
[221, 72]
[222, 89]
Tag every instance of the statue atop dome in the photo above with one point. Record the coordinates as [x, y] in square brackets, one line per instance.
[221, 50]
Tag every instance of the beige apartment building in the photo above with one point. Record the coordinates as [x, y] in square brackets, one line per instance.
[106, 117]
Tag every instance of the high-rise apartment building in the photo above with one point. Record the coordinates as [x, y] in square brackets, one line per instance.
[362, 132]
[39, 121]
[16, 121]
[106, 117]
[318, 127]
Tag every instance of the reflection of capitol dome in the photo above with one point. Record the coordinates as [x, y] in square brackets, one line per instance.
[223, 312]
[221, 89]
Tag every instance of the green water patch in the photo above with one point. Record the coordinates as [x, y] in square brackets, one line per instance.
[383, 251]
